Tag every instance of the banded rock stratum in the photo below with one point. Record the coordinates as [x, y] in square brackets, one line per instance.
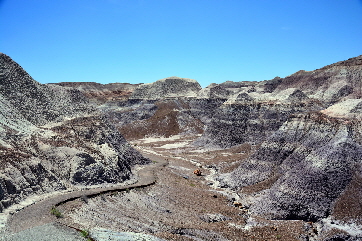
[300, 138]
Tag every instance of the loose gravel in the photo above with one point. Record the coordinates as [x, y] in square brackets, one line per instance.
[50, 231]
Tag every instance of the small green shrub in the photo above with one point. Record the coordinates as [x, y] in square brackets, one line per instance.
[56, 212]
[84, 233]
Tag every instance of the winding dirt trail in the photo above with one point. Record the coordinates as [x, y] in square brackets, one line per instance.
[39, 213]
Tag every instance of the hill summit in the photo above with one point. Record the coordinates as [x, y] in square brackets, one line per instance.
[168, 87]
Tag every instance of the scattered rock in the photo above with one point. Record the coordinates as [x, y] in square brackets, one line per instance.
[197, 172]
[213, 218]
[237, 204]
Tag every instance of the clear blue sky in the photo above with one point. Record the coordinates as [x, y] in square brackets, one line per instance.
[141, 41]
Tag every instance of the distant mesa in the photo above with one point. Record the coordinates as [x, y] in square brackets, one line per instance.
[167, 88]
[102, 92]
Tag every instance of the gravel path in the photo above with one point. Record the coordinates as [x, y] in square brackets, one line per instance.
[39, 214]
[50, 231]
[104, 234]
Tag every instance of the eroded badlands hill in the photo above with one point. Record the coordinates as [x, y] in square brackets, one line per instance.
[52, 139]
[304, 129]
[296, 142]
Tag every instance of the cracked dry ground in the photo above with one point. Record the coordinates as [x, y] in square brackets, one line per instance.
[181, 205]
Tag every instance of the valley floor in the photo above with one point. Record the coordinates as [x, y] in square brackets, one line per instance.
[181, 205]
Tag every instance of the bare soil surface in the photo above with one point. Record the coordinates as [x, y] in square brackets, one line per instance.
[182, 205]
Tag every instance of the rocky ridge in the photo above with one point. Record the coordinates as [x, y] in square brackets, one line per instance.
[101, 93]
[53, 139]
[171, 87]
